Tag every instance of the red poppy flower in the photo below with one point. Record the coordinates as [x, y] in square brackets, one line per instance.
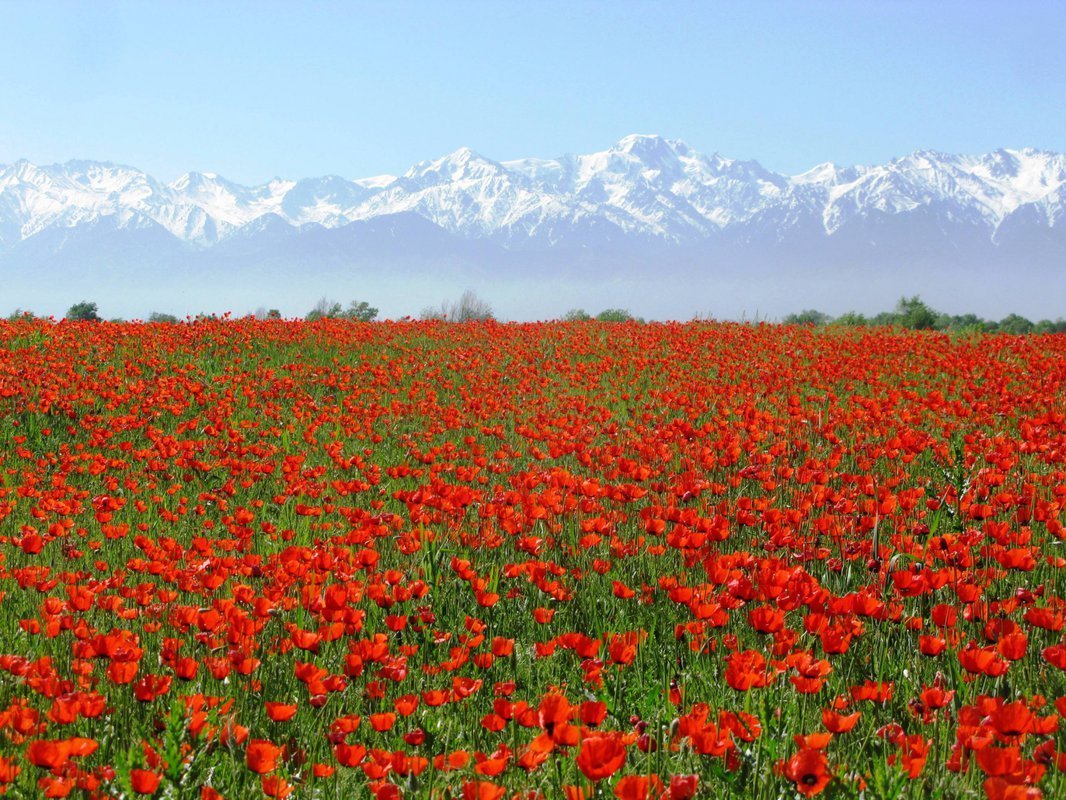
[275, 786]
[638, 787]
[482, 790]
[839, 723]
[281, 712]
[262, 756]
[144, 781]
[683, 787]
[808, 769]
[601, 756]
[48, 754]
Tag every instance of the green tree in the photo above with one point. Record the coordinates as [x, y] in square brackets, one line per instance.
[360, 311]
[1014, 323]
[84, 312]
[1047, 326]
[577, 315]
[852, 319]
[808, 317]
[912, 313]
[960, 322]
[324, 309]
[615, 315]
[159, 316]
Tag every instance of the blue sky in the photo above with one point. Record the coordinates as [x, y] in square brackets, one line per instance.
[257, 90]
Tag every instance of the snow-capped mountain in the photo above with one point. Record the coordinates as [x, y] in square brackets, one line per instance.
[645, 187]
[691, 227]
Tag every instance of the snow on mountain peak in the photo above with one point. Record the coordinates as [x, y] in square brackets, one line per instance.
[643, 185]
[375, 181]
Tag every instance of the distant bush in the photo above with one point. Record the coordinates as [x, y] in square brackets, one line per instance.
[83, 312]
[577, 315]
[468, 308]
[1013, 323]
[1047, 326]
[848, 318]
[912, 313]
[616, 315]
[159, 316]
[357, 311]
[607, 315]
[807, 317]
[432, 313]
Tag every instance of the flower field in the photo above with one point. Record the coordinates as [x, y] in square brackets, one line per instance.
[333, 560]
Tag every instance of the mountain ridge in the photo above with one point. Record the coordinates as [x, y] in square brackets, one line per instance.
[644, 187]
[648, 223]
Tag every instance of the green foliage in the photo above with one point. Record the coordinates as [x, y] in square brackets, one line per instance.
[1047, 326]
[357, 311]
[360, 311]
[83, 312]
[616, 315]
[159, 316]
[967, 323]
[850, 319]
[577, 315]
[1014, 323]
[914, 314]
[807, 317]
[324, 309]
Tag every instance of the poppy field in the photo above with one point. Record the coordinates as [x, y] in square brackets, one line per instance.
[247, 558]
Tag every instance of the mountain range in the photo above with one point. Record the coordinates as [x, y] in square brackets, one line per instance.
[645, 206]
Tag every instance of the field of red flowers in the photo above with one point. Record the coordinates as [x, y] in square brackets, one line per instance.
[485, 561]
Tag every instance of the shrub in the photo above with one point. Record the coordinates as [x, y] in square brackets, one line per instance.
[615, 315]
[851, 319]
[468, 308]
[358, 311]
[808, 317]
[324, 309]
[912, 313]
[83, 311]
[1014, 323]
[577, 315]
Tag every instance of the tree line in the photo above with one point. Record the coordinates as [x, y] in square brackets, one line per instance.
[910, 312]
[914, 314]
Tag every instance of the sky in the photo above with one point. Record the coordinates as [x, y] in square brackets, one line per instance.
[261, 90]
